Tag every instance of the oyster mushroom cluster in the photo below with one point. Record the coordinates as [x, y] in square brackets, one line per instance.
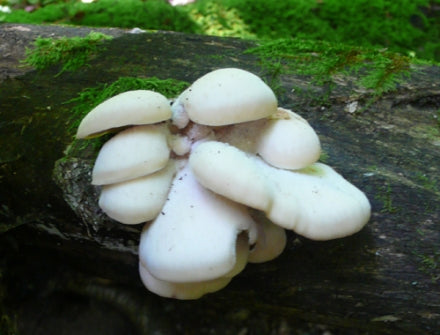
[216, 177]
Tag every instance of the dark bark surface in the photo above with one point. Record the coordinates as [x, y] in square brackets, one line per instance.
[66, 266]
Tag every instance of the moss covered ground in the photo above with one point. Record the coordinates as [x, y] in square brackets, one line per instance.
[71, 53]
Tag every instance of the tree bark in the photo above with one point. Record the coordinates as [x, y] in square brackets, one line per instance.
[57, 244]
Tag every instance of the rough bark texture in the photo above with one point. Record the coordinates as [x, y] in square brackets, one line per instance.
[65, 266]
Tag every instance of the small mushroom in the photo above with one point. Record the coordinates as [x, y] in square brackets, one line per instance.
[288, 141]
[128, 108]
[284, 140]
[132, 153]
[137, 200]
[271, 240]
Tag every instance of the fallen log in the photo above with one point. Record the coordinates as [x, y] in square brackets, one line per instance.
[60, 249]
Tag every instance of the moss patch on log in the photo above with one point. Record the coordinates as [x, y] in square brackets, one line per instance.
[71, 53]
[375, 70]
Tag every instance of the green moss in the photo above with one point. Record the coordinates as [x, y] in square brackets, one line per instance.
[405, 26]
[90, 97]
[385, 195]
[214, 18]
[323, 158]
[429, 264]
[428, 183]
[45, 14]
[151, 14]
[377, 70]
[427, 132]
[313, 170]
[402, 26]
[71, 53]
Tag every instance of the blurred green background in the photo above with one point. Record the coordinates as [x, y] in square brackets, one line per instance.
[410, 27]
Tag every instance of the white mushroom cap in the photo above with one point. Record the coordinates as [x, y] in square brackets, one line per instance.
[288, 141]
[128, 108]
[271, 240]
[182, 291]
[227, 171]
[316, 202]
[330, 207]
[132, 153]
[194, 290]
[137, 200]
[227, 96]
[194, 237]
[284, 139]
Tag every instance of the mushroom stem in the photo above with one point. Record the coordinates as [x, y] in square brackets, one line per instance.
[271, 240]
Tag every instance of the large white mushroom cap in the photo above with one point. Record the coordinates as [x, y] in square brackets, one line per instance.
[128, 108]
[194, 290]
[227, 96]
[315, 202]
[194, 237]
[132, 153]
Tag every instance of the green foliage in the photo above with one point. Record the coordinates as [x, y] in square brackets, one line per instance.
[71, 53]
[381, 69]
[277, 19]
[24, 3]
[152, 14]
[405, 26]
[50, 13]
[213, 18]
[398, 25]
